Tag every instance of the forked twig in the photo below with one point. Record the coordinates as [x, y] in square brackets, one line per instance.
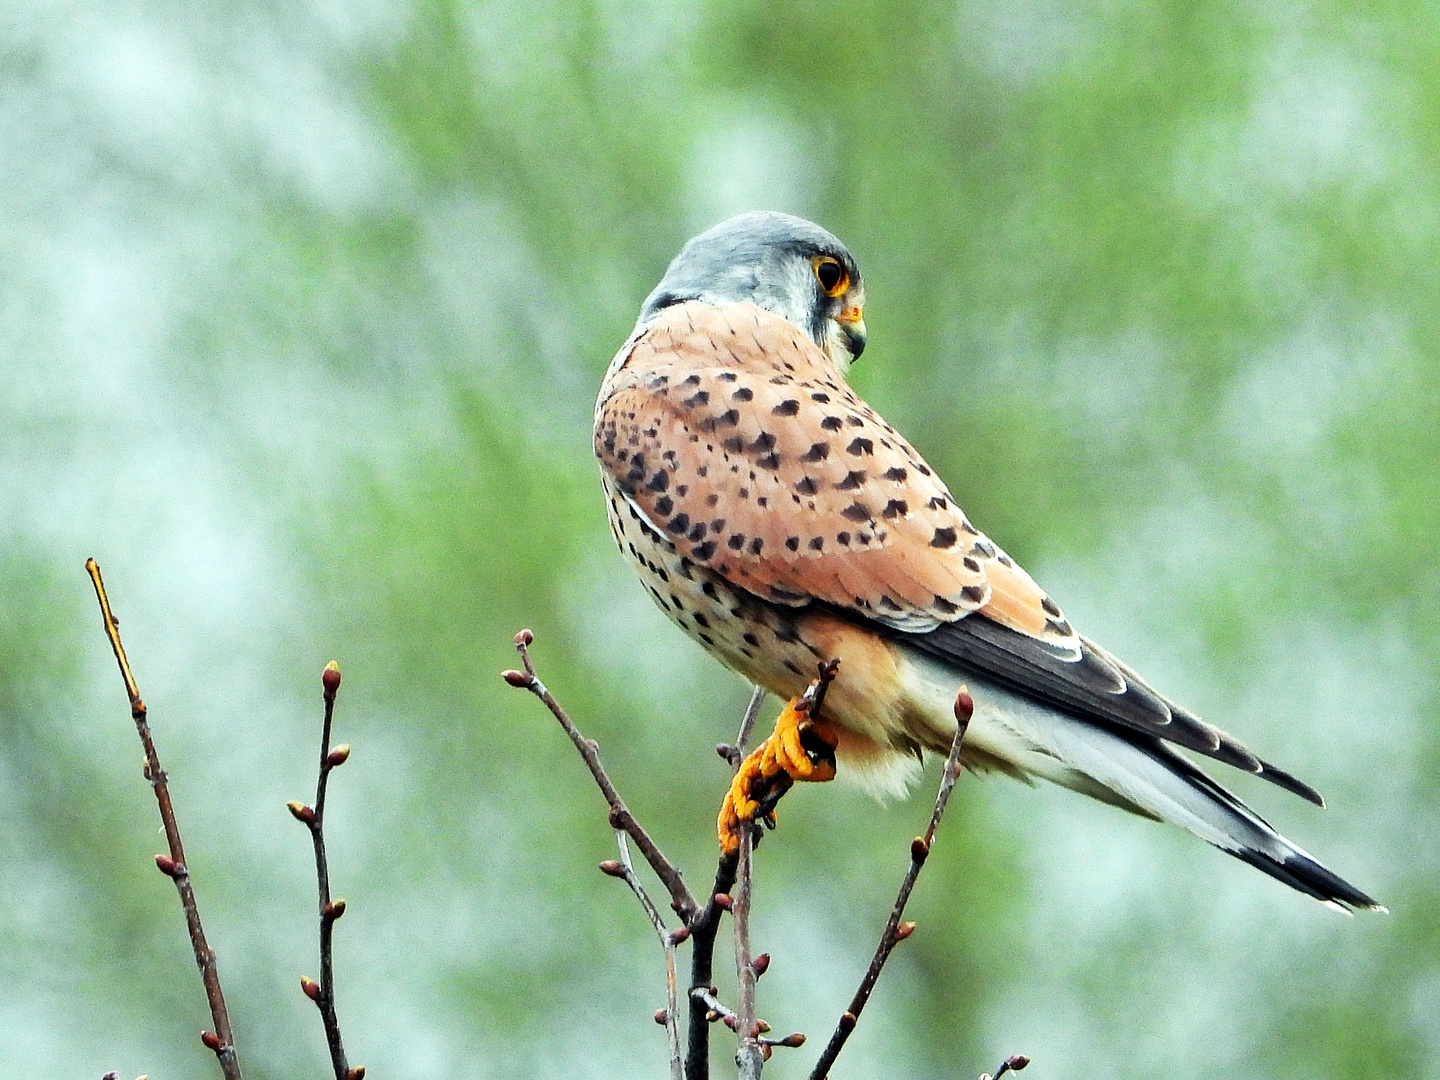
[323, 992]
[895, 930]
[625, 869]
[620, 817]
[221, 1041]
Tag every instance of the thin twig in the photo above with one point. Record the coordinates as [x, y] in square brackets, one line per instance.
[323, 992]
[1014, 1063]
[706, 923]
[222, 1040]
[620, 816]
[895, 930]
[749, 1056]
[625, 869]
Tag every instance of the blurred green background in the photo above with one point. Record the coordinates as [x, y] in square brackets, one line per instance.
[302, 312]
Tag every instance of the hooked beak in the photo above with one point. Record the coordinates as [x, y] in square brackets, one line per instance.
[852, 325]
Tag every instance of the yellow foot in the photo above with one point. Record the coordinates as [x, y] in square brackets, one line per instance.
[799, 749]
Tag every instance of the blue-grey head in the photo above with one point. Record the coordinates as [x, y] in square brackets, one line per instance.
[785, 264]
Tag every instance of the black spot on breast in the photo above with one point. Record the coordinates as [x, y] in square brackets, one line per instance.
[860, 446]
[762, 501]
[854, 421]
[937, 503]
[895, 508]
[857, 511]
[697, 533]
[695, 400]
[734, 444]
[704, 551]
[897, 474]
[831, 423]
[945, 607]
[660, 481]
[755, 545]
[792, 543]
[973, 593]
[807, 486]
[727, 376]
[984, 549]
[736, 542]
[703, 471]
[785, 632]
[843, 538]
[1062, 627]
[681, 489]
[701, 620]
[693, 380]
[886, 604]
[972, 565]
[711, 499]
[763, 442]
[718, 525]
[818, 452]
[769, 461]
[922, 469]
[1004, 560]
[965, 524]
[817, 543]
[706, 638]
[709, 590]
[744, 393]
[1051, 608]
[663, 505]
[824, 399]
[744, 493]
[750, 639]
[944, 538]
[788, 407]
[678, 524]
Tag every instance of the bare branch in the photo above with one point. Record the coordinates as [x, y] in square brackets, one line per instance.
[323, 992]
[222, 1040]
[625, 869]
[706, 923]
[895, 930]
[749, 1056]
[620, 816]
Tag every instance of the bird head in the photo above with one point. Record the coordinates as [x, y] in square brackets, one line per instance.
[784, 264]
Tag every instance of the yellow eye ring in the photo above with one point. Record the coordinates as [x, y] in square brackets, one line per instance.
[831, 275]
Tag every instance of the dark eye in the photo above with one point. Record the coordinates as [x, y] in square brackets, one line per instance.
[831, 275]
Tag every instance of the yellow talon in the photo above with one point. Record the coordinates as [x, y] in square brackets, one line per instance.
[799, 749]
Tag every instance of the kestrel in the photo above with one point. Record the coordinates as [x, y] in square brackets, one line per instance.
[780, 521]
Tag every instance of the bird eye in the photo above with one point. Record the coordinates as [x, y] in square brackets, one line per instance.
[831, 275]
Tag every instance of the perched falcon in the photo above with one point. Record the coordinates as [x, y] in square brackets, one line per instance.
[780, 521]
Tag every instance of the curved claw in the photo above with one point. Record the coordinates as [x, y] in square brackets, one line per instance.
[800, 749]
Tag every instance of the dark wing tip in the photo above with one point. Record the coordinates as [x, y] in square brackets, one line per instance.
[1306, 875]
[1281, 778]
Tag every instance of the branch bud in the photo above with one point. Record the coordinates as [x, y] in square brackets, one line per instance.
[847, 1022]
[330, 678]
[919, 850]
[730, 1022]
[792, 1041]
[111, 1076]
[724, 901]
[761, 1027]
[904, 930]
[1017, 1062]
[338, 756]
[616, 817]
[679, 935]
[357, 1073]
[661, 1015]
[333, 910]
[964, 707]
[711, 1015]
[760, 964]
[211, 1041]
[302, 812]
[613, 867]
[168, 866]
[524, 637]
[310, 987]
[515, 678]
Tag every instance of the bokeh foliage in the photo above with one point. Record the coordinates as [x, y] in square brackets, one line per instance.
[304, 308]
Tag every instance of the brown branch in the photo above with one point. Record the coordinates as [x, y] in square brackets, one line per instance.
[895, 930]
[323, 992]
[706, 923]
[1014, 1063]
[625, 869]
[221, 1041]
[620, 816]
